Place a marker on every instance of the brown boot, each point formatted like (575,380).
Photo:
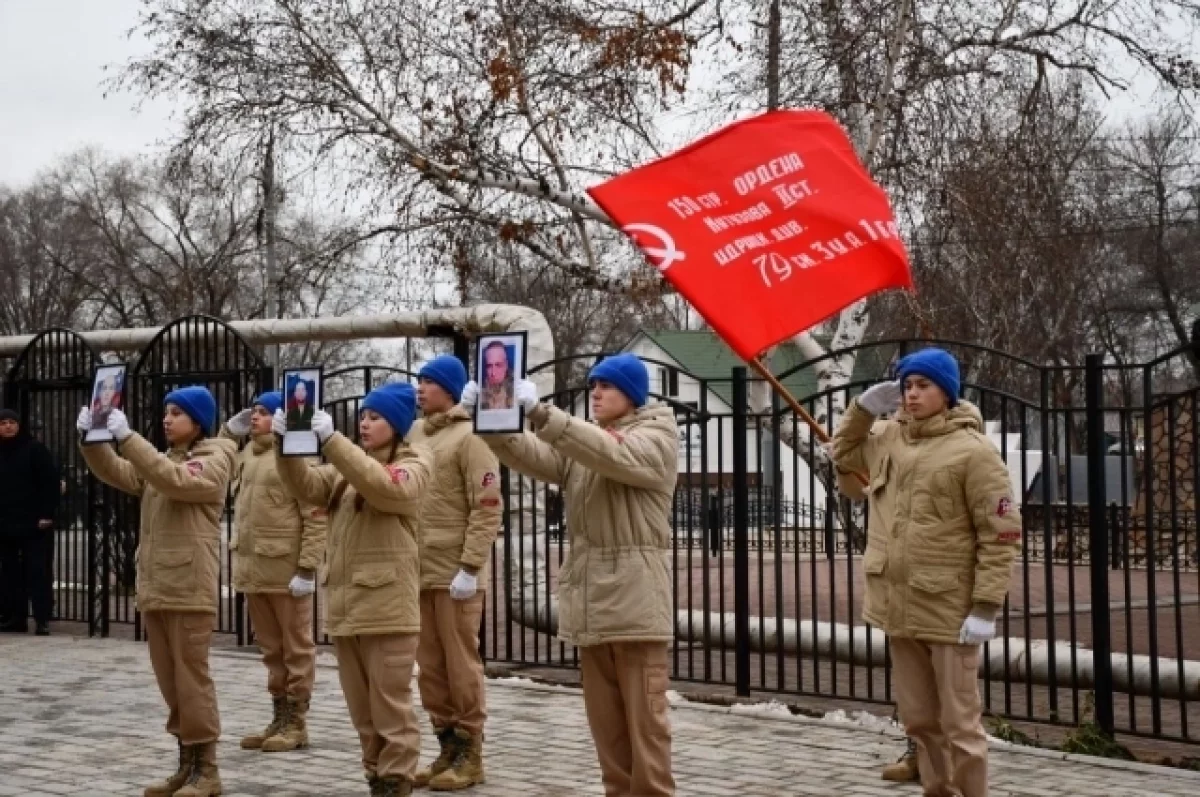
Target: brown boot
(449,745)
(394,787)
(166,788)
(293,733)
(204,780)
(255,740)
(467,769)
(905,769)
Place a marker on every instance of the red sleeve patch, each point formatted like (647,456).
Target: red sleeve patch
(1009,535)
(490,501)
(195,467)
(615,435)
(1003,507)
(488,480)
(397,473)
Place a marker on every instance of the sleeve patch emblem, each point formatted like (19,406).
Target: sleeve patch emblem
(1004,507)
(616,435)
(398,474)
(489,502)
(195,467)
(489,479)
(1010,535)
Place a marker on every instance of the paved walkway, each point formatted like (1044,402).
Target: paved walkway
(83,717)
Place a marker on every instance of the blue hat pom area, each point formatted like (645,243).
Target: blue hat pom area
(936,365)
(396,402)
(197,403)
(625,372)
(271,401)
(448,372)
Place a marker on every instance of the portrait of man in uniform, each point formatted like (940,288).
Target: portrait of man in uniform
(497,390)
(107,395)
(500,362)
(301,398)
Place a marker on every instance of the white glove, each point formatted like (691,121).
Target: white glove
(463,586)
(322,425)
(470,395)
(279,423)
(301,586)
(84,422)
(526,394)
(976,631)
(882,399)
(240,424)
(118,424)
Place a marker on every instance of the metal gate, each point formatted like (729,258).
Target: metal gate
(196,350)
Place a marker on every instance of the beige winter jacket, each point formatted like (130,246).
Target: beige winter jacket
(276,535)
(944,526)
(183,497)
(618,484)
(463,510)
(371,575)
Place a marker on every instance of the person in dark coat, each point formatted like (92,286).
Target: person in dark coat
(29,495)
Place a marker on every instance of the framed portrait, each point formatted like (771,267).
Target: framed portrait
(108,394)
(301,398)
(499,364)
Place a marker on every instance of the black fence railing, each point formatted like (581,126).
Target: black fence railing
(767,571)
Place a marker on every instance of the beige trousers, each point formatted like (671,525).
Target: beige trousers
(625,696)
(451,678)
(283,627)
(937,693)
(178,643)
(376,674)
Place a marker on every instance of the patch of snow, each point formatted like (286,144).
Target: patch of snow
(773,707)
(674,697)
(863,719)
(1010,33)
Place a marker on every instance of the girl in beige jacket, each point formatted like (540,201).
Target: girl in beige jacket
(371,575)
(182,496)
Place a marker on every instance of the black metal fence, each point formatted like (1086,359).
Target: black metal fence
(768,582)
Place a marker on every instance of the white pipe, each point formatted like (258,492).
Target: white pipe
(865,646)
(475,320)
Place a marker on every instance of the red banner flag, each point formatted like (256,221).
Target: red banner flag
(767,227)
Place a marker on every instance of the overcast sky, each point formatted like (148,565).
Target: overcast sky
(52,59)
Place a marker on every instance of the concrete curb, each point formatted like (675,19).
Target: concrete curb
(1036,752)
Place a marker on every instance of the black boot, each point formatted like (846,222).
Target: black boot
(43,629)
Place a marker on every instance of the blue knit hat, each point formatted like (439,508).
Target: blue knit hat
(626,373)
(271,401)
(936,365)
(447,371)
(197,403)
(396,402)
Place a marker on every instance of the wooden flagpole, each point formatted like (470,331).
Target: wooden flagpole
(762,370)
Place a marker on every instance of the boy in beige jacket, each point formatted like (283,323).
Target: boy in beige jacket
(943,531)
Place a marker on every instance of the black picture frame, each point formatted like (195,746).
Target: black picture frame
(300,440)
(490,419)
(100,407)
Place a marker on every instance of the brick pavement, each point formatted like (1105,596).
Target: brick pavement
(83,717)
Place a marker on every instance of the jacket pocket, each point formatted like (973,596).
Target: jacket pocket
(274,560)
(879,479)
(378,595)
(175,572)
(875,596)
(938,601)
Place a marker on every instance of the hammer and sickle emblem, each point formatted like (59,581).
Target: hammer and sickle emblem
(665,253)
